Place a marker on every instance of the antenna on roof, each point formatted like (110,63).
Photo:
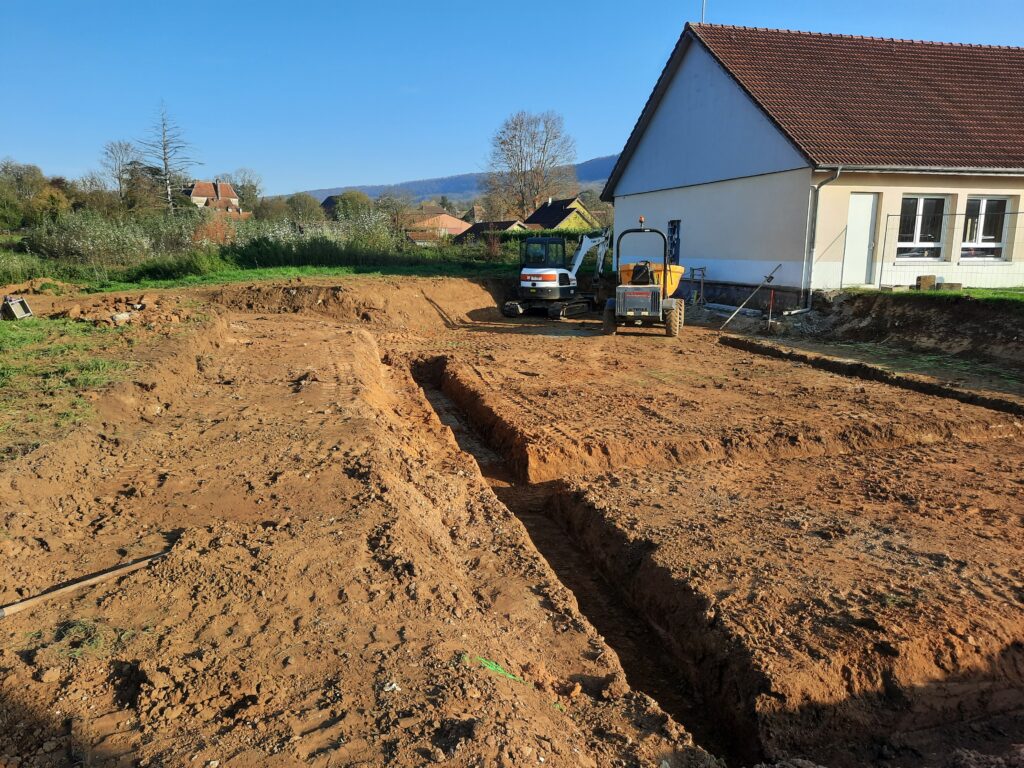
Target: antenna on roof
(703,9)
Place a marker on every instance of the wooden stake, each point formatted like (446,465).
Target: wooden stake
(88,581)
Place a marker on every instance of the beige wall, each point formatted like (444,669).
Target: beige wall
(739,229)
(833,208)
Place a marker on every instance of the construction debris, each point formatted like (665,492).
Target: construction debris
(14,308)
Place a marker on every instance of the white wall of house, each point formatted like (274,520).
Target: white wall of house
(887,267)
(739,229)
(706,128)
(712,159)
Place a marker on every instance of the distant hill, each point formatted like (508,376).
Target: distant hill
(591,173)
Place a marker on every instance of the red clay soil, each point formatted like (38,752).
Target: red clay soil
(830,566)
(342,588)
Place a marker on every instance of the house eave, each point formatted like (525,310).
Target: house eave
(654,100)
(920,169)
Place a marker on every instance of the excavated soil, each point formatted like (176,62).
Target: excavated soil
(946,324)
(400,530)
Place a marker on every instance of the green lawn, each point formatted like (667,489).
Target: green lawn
(46,369)
(1007,299)
(16,267)
(1011,294)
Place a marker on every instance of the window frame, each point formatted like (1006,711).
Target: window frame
(917,242)
(1002,245)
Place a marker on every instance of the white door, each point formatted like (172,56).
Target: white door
(858,257)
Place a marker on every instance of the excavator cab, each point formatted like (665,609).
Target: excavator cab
(538,252)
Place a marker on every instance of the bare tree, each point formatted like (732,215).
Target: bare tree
(116,160)
(532,158)
(167,149)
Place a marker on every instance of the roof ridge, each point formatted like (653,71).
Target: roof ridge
(698,27)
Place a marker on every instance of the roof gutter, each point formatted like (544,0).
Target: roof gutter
(810,244)
(937,169)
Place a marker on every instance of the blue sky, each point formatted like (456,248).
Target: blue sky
(317,94)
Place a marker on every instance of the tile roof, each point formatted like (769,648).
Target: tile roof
(218,190)
(867,101)
(202,189)
(876,101)
(225,190)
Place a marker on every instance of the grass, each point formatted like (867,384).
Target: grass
(77,639)
(1010,294)
(210,268)
(1009,300)
(47,367)
(240,274)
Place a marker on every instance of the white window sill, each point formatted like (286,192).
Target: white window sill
(979,260)
(921,260)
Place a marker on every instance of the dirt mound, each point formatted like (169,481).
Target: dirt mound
(667,407)
(147,309)
(420,304)
(950,324)
(40,286)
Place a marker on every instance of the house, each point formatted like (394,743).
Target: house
(217,195)
(482,229)
(426,226)
(850,161)
(569,213)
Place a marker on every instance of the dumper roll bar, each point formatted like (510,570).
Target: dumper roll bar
(664,252)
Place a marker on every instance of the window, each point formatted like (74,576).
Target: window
(922,226)
(544,253)
(985,228)
(673,241)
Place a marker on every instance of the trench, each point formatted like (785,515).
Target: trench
(646,658)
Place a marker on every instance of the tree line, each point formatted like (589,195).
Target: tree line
(531,158)
(134,178)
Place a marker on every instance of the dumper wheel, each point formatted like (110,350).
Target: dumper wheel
(609,327)
(674,321)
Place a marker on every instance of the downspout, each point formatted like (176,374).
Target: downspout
(812,236)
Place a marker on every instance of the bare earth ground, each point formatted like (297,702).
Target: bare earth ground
(402,530)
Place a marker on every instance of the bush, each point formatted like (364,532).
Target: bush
(85,246)
(19,267)
(88,238)
(177,233)
(195,263)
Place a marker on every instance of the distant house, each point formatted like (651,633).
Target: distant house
(482,229)
(217,195)
(430,223)
(569,213)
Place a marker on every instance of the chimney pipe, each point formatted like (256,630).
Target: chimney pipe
(549,201)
